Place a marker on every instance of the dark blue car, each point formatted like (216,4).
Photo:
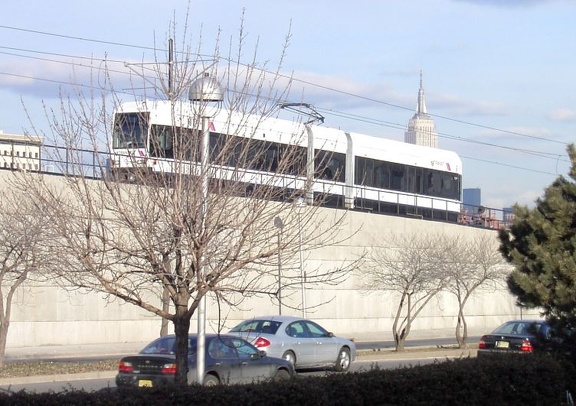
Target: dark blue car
(518,336)
(228,360)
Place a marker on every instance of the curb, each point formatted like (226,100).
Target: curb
(416,352)
(21,380)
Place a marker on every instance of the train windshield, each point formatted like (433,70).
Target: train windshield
(130,130)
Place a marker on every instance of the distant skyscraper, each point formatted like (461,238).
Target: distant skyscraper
(421,129)
(472,197)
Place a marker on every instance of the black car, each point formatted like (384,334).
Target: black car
(228,360)
(518,336)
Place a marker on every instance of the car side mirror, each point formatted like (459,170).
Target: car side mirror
(330,334)
(261,354)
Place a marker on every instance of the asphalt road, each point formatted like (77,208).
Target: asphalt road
(367,360)
(370,354)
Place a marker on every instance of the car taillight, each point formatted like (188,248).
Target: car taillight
(125,367)
(169,369)
(261,342)
(526,346)
(482,343)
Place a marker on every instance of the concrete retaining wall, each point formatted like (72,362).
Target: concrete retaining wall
(45,314)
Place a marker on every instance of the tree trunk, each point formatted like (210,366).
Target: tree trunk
(166,309)
(461,323)
(4,324)
(399,340)
(464,332)
(6,312)
(181,329)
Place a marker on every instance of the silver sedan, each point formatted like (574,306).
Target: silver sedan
(300,341)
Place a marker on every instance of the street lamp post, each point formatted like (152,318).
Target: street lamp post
(204,90)
(279,224)
(300,202)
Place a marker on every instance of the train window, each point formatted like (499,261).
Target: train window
(257,155)
(396,177)
(330,165)
(418,180)
(266,156)
(130,130)
(174,142)
(297,157)
(450,184)
(404,178)
(364,172)
(251,154)
(161,141)
(381,175)
(433,183)
(441,184)
(223,150)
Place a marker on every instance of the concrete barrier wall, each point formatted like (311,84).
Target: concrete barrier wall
(45,314)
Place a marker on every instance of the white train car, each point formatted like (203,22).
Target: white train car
(350,170)
(410,179)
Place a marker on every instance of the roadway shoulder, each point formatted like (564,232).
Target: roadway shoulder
(416,352)
(21,380)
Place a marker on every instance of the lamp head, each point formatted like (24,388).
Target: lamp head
(206,89)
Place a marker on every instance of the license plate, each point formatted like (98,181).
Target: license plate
(502,344)
(145,383)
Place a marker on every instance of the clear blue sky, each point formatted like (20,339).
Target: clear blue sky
(498,74)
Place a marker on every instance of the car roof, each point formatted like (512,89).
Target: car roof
(194,335)
(526,321)
(277,317)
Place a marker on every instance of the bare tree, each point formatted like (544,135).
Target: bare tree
(471,264)
(410,265)
(159,233)
(23,254)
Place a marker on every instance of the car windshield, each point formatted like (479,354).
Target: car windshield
(166,345)
(257,326)
(518,328)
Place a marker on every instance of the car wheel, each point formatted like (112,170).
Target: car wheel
(343,360)
(211,380)
(282,375)
(290,357)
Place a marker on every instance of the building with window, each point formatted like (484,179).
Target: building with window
(20,152)
(472,198)
(421,128)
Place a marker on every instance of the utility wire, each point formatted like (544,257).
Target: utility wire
(370,120)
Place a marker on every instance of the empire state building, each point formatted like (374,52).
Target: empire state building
(421,129)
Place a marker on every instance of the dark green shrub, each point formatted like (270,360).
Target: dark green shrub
(500,380)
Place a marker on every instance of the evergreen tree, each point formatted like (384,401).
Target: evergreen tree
(541,245)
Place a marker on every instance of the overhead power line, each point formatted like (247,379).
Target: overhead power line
(370,120)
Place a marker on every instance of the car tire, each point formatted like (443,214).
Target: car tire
(343,361)
(290,357)
(282,375)
(211,380)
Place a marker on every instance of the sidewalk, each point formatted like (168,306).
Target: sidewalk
(111,350)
